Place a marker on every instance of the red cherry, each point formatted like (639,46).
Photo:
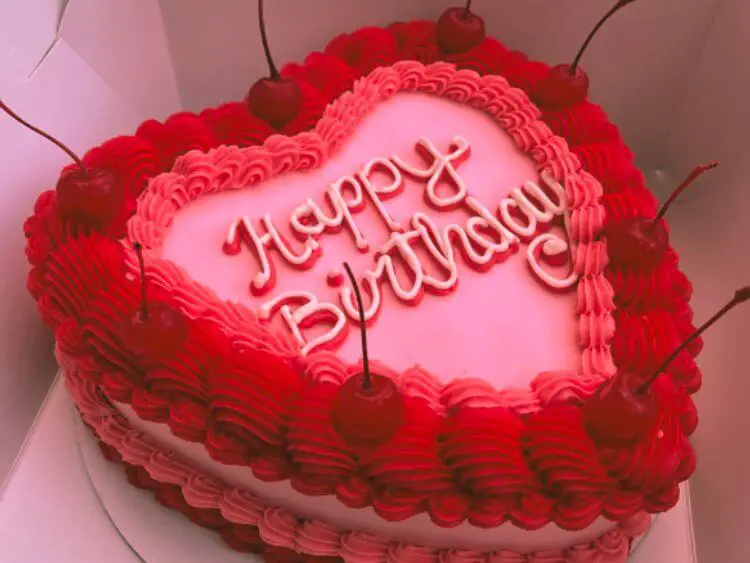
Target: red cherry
(156,329)
(625,410)
(567,85)
(643,241)
(368,414)
(368,408)
(563,86)
(160,333)
(459,29)
(638,242)
(276,100)
(617,414)
(93,196)
(90,195)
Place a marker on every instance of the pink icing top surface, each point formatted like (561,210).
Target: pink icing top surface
(503,311)
(349,533)
(499,338)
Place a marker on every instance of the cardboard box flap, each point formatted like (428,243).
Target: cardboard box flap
(125,44)
(28,31)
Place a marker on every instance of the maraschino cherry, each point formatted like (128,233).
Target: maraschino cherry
(626,409)
(88,194)
(275,99)
(642,241)
(368,408)
(156,329)
(459,29)
(567,84)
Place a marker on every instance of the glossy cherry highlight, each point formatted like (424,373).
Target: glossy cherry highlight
(90,195)
(641,241)
(368,408)
(567,84)
(276,100)
(156,329)
(459,29)
(626,410)
(617,414)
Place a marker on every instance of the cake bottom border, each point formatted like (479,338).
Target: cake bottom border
(248,524)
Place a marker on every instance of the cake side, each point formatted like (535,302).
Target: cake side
(654,318)
(247,521)
(416,530)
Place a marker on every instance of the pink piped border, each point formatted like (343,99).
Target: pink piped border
(280,528)
(229,168)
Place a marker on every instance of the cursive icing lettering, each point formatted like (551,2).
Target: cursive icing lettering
(307,313)
(242,231)
(419,255)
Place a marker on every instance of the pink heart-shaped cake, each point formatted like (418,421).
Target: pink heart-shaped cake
(473,222)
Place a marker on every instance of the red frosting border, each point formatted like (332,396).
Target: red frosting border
(569,479)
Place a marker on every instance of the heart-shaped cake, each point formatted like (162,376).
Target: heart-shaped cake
(474,224)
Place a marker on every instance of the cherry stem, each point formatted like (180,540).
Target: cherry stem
(366,380)
(46,135)
(740,296)
(616,8)
(697,171)
(273,71)
(467,10)
(138,247)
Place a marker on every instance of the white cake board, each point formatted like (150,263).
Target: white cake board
(65,503)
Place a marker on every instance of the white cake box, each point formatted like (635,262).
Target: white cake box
(673,75)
